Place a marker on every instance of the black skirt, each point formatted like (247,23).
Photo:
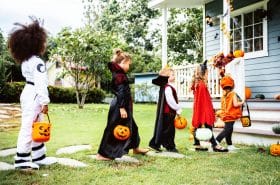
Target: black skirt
(111,147)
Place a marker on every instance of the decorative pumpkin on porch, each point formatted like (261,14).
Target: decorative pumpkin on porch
(121,132)
(203,134)
(41,131)
(275,149)
(238,53)
(248,93)
(276,128)
(180,122)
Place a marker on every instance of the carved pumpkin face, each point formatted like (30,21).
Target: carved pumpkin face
(121,132)
(245,121)
(41,131)
(238,53)
(180,122)
(275,149)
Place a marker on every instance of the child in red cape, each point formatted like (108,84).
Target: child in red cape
(203,111)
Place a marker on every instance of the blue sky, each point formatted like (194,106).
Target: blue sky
(56,13)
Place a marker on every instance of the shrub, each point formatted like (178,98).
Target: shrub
(62,94)
(95,96)
(11,94)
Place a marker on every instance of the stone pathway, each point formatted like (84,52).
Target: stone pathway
(165,154)
(75,163)
(7,152)
(70,162)
(10,115)
(125,159)
(73,149)
(6,166)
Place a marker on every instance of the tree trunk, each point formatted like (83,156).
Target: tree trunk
(83,99)
(78,99)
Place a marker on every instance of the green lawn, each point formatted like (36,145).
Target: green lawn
(72,126)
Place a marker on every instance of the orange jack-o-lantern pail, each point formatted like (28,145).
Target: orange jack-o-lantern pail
(41,130)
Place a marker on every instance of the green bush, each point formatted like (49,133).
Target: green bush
(95,96)
(62,94)
(11,94)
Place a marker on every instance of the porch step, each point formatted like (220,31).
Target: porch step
(254,131)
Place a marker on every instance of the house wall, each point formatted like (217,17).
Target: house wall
(145,91)
(261,74)
(212,37)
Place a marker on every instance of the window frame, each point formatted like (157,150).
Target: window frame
(249,9)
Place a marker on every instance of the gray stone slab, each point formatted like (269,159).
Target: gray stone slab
(5,104)
(6,166)
(123,159)
(71,162)
(4,112)
(165,154)
(73,149)
(11,108)
(7,152)
(3,116)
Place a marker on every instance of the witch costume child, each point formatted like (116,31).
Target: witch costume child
(167,108)
(120,113)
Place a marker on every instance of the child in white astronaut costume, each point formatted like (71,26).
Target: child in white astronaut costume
(26,44)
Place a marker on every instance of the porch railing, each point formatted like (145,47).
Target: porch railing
(184,78)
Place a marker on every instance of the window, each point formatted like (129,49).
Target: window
(249,33)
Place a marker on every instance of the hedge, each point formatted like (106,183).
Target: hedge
(11,94)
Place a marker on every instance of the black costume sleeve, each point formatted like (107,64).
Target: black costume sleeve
(122,90)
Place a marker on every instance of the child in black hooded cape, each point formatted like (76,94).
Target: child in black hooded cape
(167,108)
(120,113)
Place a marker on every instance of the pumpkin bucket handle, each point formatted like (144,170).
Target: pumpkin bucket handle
(37,117)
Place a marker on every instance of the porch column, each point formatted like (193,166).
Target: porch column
(226,30)
(164,37)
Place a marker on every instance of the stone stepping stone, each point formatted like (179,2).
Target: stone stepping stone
(70,162)
(7,152)
(127,158)
(165,154)
(73,149)
(123,159)
(4,112)
(5,104)
(8,125)
(11,108)
(3,116)
(6,166)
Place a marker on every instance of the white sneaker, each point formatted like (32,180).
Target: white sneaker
(26,166)
(232,148)
(46,161)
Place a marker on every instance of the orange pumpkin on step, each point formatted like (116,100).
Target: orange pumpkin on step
(248,93)
(121,132)
(238,53)
(275,149)
(180,122)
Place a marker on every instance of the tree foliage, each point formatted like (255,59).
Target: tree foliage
(84,53)
(185,29)
(129,20)
(4,62)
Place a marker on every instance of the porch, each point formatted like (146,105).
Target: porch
(264,113)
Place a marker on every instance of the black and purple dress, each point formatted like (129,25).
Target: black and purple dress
(111,147)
